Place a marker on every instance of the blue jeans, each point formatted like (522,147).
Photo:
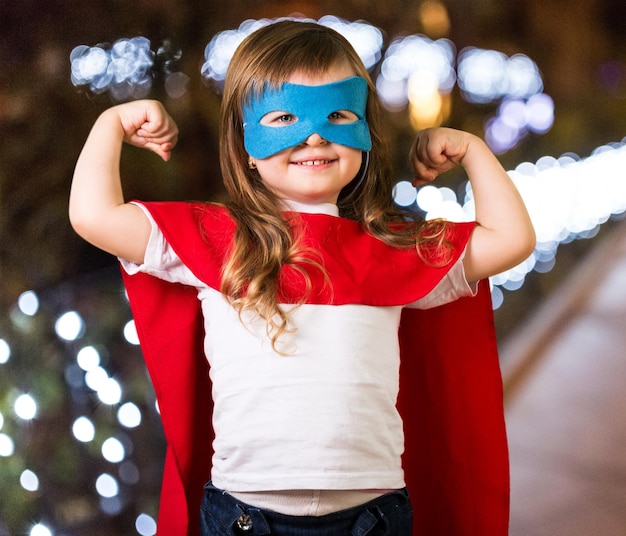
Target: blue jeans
(223,515)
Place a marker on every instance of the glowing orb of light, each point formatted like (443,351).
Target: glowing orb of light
(28,303)
(113,450)
(129,415)
(107,486)
(69,326)
(5,351)
(29,480)
(25,407)
(145,525)
(40,530)
(83,429)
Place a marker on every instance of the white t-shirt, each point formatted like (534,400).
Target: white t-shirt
(322,417)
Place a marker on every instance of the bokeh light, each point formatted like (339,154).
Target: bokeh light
(83,429)
(40,530)
(416,69)
(129,415)
(29,480)
(366,39)
(124,69)
(568,198)
(25,407)
(113,450)
(88,358)
(107,486)
(109,391)
(5,351)
(69,326)
(488,75)
(145,525)
(7,446)
(415,75)
(130,333)
(129,473)
(28,303)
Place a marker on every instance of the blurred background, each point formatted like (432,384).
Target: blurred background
(544,82)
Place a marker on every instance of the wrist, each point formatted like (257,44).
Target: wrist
(110,124)
(476,150)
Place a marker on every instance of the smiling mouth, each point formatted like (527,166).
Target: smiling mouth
(313,162)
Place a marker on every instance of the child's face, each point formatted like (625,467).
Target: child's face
(314,171)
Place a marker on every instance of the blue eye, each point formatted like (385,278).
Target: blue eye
(278,118)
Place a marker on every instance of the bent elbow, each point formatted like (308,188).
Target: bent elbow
(529,243)
(525,244)
(85,223)
(78,221)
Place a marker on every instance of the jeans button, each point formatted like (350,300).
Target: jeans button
(244,523)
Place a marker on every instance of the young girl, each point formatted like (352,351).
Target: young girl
(301,279)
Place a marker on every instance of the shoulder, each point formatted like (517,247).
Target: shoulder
(185,209)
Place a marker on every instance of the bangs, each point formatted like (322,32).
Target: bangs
(311,50)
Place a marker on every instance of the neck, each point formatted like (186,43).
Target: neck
(318,208)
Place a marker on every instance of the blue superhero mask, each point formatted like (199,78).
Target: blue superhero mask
(312,106)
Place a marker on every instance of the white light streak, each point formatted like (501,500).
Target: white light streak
(568,198)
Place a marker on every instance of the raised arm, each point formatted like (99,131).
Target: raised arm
(504,236)
(97,209)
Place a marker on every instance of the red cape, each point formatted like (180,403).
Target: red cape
(456,457)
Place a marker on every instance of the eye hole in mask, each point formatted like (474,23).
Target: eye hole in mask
(281,118)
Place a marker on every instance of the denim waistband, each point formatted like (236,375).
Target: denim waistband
(381,516)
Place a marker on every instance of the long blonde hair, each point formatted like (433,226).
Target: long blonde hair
(264,241)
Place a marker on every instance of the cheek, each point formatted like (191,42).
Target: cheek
(268,167)
(354,163)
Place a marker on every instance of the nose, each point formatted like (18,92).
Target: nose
(315,139)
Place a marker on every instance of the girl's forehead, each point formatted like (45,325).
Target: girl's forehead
(335,73)
(306,76)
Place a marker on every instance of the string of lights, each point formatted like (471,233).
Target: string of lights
(91,394)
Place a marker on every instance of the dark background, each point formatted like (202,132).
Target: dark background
(44,120)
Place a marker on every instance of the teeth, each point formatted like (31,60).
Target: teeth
(313,162)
